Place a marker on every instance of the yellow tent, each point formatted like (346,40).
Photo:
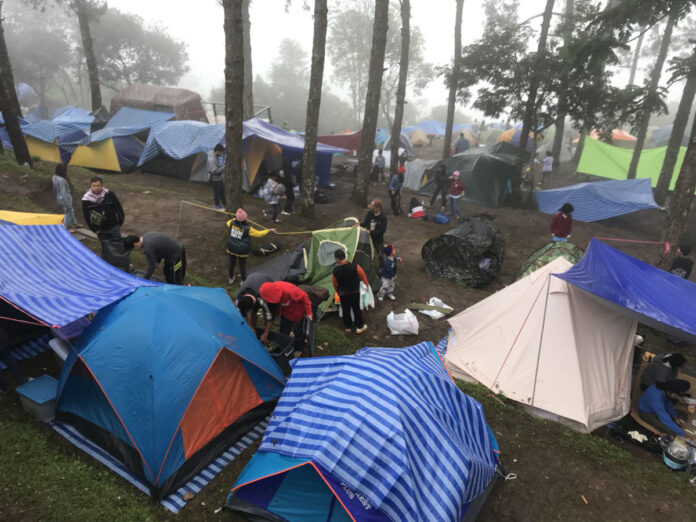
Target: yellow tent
(30,218)
(42,149)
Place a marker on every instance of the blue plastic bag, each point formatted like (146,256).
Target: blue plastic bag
(441,218)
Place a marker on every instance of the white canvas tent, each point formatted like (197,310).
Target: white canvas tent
(550,346)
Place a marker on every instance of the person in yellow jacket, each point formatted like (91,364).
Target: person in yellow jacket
(239,242)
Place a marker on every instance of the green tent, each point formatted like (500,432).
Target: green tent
(485,171)
(312,262)
(607,161)
(544,255)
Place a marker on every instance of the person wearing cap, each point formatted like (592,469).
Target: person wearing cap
(161,247)
(239,243)
(249,302)
(562,223)
(656,408)
(456,191)
(388,273)
(216,174)
(375,223)
(346,279)
(294,307)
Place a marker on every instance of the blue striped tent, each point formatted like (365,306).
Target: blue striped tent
(50,276)
(380,435)
(597,200)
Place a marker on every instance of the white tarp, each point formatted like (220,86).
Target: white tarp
(550,346)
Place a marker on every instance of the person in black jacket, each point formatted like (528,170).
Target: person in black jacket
(375,223)
(239,242)
(682,265)
(161,247)
(346,279)
(441,185)
(102,209)
(287,181)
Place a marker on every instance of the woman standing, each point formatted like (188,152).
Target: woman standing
(63,196)
(239,242)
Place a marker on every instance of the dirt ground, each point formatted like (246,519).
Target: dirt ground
(554,472)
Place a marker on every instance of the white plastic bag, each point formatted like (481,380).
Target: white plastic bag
(434,301)
(367,297)
(402,324)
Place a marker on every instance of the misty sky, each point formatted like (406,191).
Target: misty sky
(200,27)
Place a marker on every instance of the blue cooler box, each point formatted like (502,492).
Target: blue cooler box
(38,397)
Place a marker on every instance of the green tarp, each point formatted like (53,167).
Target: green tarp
(607,161)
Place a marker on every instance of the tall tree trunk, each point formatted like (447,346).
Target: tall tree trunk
(82,10)
(654,84)
(454,80)
(562,96)
(401,86)
(234,106)
(9,108)
(6,66)
(580,147)
(675,139)
(248,76)
(530,106)
(636,57)
(680,203)
(374,89)
(316,79)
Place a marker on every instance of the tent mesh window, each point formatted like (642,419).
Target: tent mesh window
(326,252)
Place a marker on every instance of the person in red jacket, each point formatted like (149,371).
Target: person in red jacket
(562,223)
(294,307)
(456,191)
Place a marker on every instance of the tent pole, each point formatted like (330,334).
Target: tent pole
(541,337)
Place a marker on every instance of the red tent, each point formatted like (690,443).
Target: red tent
(343,140)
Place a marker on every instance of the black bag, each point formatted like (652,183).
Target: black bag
(115,253)
(267,249)
(321,197)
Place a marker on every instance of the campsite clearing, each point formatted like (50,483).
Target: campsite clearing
(42,477)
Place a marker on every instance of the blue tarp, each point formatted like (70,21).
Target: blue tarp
(150,355)
(386,426)
(181,139)
(286,139)
(381,137)
(660,137)
(652,296)
(598,200)
(128,121)
(438,128)
(51,276)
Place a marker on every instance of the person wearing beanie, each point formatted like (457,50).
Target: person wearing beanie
(562,223)
(456,191)
(239,243)
(388,273)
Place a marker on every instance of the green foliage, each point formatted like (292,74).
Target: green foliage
(349,46)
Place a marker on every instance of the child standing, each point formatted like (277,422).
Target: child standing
(239,243)
(271,191)
(562,223)
(63,196)
(456,191)
(388,273)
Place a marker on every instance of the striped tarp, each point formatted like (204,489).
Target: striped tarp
(29,349)
(176,501)
(181,139)
(51,276)
(128,121)
(391,425)
(598,200)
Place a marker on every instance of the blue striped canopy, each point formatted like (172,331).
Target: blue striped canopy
(128,121)
(181,139)
(51,276)
(598,200)
(390,425)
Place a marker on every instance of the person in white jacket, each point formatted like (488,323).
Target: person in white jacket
(216,173)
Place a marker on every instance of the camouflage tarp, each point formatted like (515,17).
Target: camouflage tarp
(544,255)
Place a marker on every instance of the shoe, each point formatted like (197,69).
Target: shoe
(230,280)
(349,330)
(361,330)
(380,298)
(286,213)
(391,297)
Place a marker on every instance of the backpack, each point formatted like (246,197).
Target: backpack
(441,218)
